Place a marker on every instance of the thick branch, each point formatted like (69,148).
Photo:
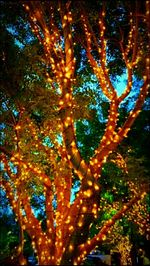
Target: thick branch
(129,84)
(49,213)
(134,113)
(108,136)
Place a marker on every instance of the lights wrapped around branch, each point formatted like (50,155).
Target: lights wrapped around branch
(67,222)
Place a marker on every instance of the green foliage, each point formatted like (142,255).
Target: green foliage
(89,133)
(9,235)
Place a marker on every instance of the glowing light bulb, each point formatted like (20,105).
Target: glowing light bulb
(84,208)
(65,17)
(71,247)
(80,224)
(90,183)
(96,187)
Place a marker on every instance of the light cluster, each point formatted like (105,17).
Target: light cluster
(55,167)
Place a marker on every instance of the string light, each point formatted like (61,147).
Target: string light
(62,159)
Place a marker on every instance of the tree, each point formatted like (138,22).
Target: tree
(41,154)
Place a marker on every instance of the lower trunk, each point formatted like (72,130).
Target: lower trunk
(48,260)
(44,255)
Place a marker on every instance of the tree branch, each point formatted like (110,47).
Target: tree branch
(101,236)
